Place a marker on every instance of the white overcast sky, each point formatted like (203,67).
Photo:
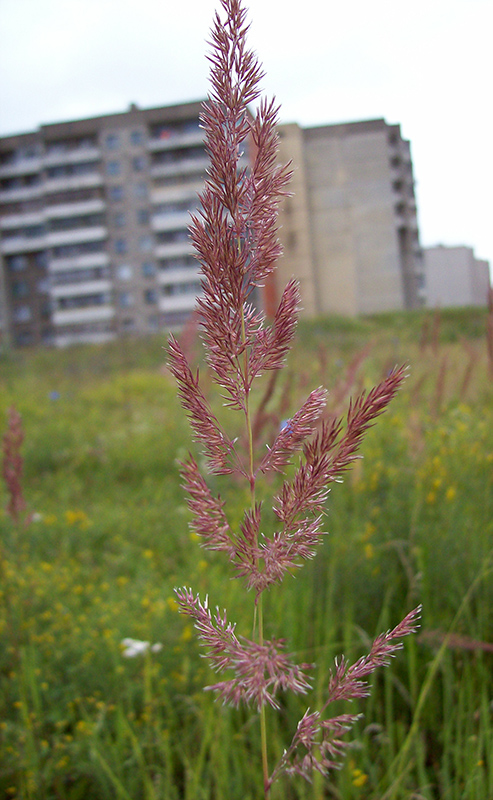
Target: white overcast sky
(426,64)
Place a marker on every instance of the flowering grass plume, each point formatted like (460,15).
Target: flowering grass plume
(236,242)
(13,465)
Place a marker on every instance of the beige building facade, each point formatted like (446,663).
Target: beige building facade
(455,277)
(350,232)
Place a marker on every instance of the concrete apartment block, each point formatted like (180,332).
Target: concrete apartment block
(93,222)
(352,227)
(455,277)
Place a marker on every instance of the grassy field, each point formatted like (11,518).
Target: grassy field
(109,539)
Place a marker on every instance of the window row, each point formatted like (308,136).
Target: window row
(115,167)
(171,130)
(19,263)
(114,140)
(175,156)
(71,170)
(21,289)
(20,182)
(24,313)
(117,193)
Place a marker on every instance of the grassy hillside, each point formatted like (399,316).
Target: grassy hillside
(109,539)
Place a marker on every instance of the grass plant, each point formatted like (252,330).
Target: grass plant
(235,238)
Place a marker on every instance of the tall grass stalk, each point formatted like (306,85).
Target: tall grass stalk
(235,238)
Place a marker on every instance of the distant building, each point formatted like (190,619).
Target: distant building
(455,277)
(350,231)
(93,219)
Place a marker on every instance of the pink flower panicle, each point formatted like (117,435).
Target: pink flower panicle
(13,464)
(260,670)
(317,743)
(217,446)
(235,239)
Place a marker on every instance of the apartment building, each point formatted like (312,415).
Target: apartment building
(94,216)
(455,277)
(350,231)
(93,222)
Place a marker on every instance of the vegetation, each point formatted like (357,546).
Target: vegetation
(108,540)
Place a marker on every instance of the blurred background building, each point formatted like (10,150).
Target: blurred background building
(94,221)
(455,277)
(350,231)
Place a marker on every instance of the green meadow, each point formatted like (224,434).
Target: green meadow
(108,540)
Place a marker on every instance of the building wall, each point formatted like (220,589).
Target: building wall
(362,254)
(454,277)
(294,223)
(93,219)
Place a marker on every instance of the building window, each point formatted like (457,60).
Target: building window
(20,289)
(136,137)
(124,272)
(138,163)
(113,167)
(140,190)
(22,314)
(83,301)
(148,269)
(116,193)
(142,216)
(183,262)
(150,296)
(119,220)
(145,243)
(41,259)
(125,299)
(16,263)
(112,141)
(120,246)
(44,285)
(174,289)
(72,250)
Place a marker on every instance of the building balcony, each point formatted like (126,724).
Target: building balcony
(168,194)
(178,275)
(172,221)
(21,193)
(75,209)
(23,166)
(179,302)
(185,166)
(72,182)
(79,235)
(173,249)
(85,261)
(22,220)
(23,244)
(84,337)
(175,140)
(79,289)
(75,156)
(74,316)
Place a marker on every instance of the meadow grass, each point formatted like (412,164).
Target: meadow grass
(413,522)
